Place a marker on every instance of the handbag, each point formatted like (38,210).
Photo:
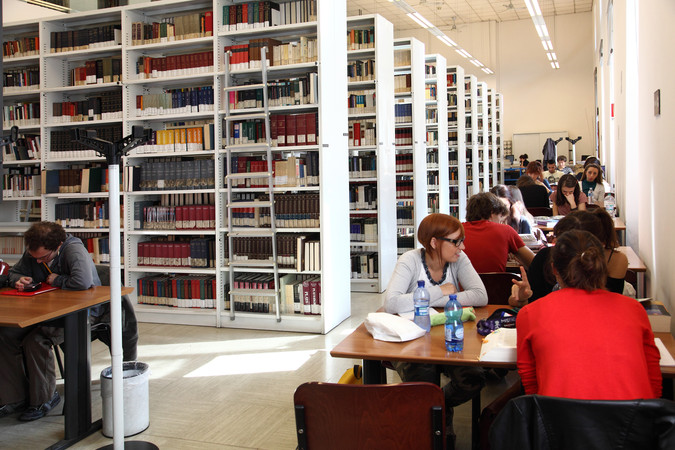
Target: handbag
(500,318)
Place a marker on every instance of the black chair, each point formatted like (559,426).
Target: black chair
(539,422)
(498,286)
(375,416)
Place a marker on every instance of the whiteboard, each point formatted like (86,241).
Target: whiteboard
(532,144)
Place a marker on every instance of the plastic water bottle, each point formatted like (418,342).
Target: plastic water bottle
(454,328)
(589,196)
(610,204)
(421,301)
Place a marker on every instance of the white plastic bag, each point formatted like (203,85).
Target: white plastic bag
(391,328)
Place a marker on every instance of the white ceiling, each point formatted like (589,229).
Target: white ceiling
(442,12)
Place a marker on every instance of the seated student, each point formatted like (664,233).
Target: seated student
(55,258)
(523,160)
(583,342)
(591,182)
(579,171)
(568,197)
(519,217)
(539,274)
(534,195)
(562,165)
(488,240)
(536,171)
(552,175)
(445,270)
(617,262)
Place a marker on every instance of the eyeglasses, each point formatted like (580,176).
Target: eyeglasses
(44,258)
(455,242)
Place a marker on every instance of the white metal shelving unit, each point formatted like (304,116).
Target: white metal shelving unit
(471,130)
(483,146)
(457,141)
(436,104)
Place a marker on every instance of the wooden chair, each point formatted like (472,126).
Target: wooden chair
(540,211)
(498,286)
(375,416)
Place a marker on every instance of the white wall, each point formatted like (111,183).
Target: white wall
(536,97)
(643,142)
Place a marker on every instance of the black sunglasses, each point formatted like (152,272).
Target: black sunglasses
(455,242)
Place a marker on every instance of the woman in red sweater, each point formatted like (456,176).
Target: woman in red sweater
(582,341)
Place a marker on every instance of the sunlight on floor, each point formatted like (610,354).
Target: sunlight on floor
(253,363)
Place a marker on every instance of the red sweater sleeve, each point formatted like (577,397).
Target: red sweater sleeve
(652,356)
(526,362)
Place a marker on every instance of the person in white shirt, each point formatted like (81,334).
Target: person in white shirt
(562,165)
(553,174)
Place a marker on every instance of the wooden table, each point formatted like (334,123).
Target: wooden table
(17,311)
(430,348)
(636,265)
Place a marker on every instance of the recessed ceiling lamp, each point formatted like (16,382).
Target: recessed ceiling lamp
(542,31)
(420,20)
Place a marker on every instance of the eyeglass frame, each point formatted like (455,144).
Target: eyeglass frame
(456,242)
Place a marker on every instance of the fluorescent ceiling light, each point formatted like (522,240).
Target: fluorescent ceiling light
(47,4)
(552,65)
(447,40)
(420,20)
(529,7)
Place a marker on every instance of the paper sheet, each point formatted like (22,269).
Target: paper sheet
(666,357)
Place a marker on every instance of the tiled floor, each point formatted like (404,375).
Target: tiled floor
(221,388)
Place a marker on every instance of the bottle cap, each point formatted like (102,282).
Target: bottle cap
(420,283)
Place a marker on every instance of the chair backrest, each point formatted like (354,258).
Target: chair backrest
(498,286)
(536,422)
(540,210)
(376,416)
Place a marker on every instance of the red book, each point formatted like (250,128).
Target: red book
(291,129)
(306,298)
(179,217)
(195,293)
(281,130)
(185,254)
(315,295)
(301,129)
(310,120)
(208,23)
(191,217)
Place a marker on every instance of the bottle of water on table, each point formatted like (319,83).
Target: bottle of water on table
(421,301)
(610,204)
(589,196)
(454,328)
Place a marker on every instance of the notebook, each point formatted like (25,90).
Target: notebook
(42,290)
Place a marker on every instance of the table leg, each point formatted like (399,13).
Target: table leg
(374,372)
(77,405)
(641,284)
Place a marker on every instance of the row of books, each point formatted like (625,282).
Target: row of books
(432,138)
(243,16)
(402,84)
(364,265)
(361,70)
(82,214)
(285,130)
(169,200)
(300,294)
(452,100)
(362,133)
(98,247)
(174,28)
(451,79)
(185,64)
(176,101)
(401,58)
(404,217)
(285,92)
(24,148)
(85,38)
(293,250)
(21,79)
(24,182)
(179,291)
(246,56)
(403,113)
(363,229)
(170,174)
(187,138)
(404,189)
(363,166)
(12,245)
(430,70)
(249,15)
(187,217)
(361,102)
(76,180)
(19,48)
(432,181)
(363,197)
(299,210)
(97,71)
(23,114)
(404,162)
(63,146)
(294,171)
(105,106)
(191,252)
(361,38)
(403,137)
(430,92)
(432,160)
(299,252)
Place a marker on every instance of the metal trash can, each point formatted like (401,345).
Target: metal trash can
(136,398)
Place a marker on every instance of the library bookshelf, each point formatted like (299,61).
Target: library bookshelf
(371,152)
(166,66)
(456,142)
(436,121)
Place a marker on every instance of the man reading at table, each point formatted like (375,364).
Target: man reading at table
(54,257)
